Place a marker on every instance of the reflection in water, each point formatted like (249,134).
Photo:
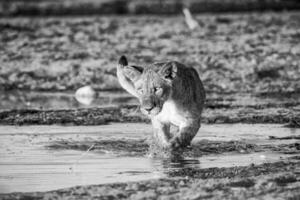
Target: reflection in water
(171,167)
(180,163)
(171,160)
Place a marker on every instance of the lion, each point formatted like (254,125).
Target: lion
(170,94)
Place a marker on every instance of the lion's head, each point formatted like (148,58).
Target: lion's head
(153,84)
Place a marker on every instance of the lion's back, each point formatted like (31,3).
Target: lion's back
(190,86)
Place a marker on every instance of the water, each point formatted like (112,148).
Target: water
(43,158)
(47,100)
(58,100)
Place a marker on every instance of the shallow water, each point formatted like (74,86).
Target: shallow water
(42,158)
(47,100)
(61,100)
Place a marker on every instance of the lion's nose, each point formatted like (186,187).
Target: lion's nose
(147,104)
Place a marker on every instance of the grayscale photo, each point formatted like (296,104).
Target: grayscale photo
(149,99)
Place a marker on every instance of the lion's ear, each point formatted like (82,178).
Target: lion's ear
(123,61)
(133,72)
(169,71)
(129,71)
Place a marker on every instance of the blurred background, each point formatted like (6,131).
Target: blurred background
(246,47)
(88,7)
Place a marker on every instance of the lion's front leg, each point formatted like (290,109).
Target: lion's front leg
(186,133)
(161,132)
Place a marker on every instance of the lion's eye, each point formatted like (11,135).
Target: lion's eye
(140,90)
(158,90)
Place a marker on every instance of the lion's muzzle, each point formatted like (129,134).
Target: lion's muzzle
(149,106)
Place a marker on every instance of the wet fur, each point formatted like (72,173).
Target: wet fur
(180,104)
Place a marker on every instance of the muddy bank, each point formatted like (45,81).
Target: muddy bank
(143,147)
(252,53)
(259,181)
(98,116)
(23,107)
(92,116)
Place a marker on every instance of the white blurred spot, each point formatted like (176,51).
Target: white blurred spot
(263,157)
(85,95)
(190,21)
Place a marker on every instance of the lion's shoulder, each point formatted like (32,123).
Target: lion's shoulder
(188,87)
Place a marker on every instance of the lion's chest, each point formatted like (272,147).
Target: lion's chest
(171,114)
